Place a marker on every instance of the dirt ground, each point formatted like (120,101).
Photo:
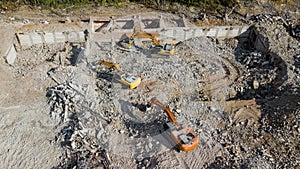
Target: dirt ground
(26,128)
(240,98)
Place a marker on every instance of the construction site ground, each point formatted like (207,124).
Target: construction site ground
(60,108)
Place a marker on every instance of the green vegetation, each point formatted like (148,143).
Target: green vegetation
(158,4)
(55,3)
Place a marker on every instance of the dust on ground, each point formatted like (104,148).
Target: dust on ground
(241,99)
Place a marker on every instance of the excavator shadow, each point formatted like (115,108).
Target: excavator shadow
(141,107)
(110,77)
(155,131)
(105,76)
(151,130)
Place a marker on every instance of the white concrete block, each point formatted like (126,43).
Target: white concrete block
(81,36)
(11,55)
(60,37)
(25,40)
(36,38)
(49,38)
(212,32)
(73,37)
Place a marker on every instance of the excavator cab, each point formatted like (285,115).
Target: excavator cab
(167,49)
(128,80)
(184,137)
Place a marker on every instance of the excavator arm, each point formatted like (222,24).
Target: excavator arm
(110,64)
(140,34)
(185,138)
(165,108)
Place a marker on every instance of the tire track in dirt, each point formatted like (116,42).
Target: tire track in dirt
(200,157)
(216,73)
(25,139)
(24,123)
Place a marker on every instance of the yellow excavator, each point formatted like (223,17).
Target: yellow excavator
(122,77)
(166,49)
(184,137)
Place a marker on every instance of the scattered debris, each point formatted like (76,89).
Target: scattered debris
(296,32)
(236,94)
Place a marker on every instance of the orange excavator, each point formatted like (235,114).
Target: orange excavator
(184,137)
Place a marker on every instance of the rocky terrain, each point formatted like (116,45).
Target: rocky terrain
(60,108)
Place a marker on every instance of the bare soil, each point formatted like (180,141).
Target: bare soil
(243,102)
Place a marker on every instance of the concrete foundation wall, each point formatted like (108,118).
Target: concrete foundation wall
(216,32)
(33,38)
(162,27)
(176,34)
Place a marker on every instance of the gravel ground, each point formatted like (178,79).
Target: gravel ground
(240,97)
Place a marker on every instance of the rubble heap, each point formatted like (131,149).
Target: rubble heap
(228,91)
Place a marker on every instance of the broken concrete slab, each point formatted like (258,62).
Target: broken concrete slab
(7,49)
(11,55)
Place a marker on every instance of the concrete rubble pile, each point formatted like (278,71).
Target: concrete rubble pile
(224,89)
(266,66)
(297,65)
(296,32)
(67,100)
(267,18)
(261,72)
(250,72)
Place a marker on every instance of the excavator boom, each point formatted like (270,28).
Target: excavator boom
(110,64)
(165,108)
(140,34)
